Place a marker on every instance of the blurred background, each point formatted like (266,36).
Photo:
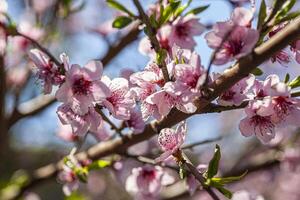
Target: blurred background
(82,29)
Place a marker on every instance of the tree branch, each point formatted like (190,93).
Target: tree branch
(240,70)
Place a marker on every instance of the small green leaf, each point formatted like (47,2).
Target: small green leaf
(98,164)
(182,173)
(168,11)
(116,5)
(81,174)
(182,8)
(257,72)
(286,7)
(197,10)
(287,78)
(153,21)
(121,22)
(227,180)
(262,14)
(227,193)
(288,17)
(295,82)
(214,163)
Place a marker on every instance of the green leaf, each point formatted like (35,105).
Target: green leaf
(227,180)
(182,173)
(116,5)
(121,22)
(288,17)
(153,21)
(214,163)
(262,14)
(182,8)
(227,193)
(168,11)
(257,72)
(295,82)
(286,7)
(197,10)
(287,78)
(81,174)
(98,164)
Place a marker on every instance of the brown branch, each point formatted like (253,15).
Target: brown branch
(224,82)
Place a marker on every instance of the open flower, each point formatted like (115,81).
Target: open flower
(258,121)
(171,140)
(241,39)
(237,93)
(146,182)
(119,102)
(47,71)
(135,122)
(184,30)
(80,124)
(83,87)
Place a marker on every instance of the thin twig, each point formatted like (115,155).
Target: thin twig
(43,49)
(152,36)
(190,146)
(105,118)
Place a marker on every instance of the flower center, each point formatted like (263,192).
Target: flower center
(148,174)
(233,47)
(182,31)
(81,86)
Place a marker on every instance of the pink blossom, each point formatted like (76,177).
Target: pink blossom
(241,17)
(190,76)
(80,124)
(47,72)
(281,57)
(135,122)
(171,140)
(171,96)
(237,93)
(120,101)
(83,87)
(146,182)
(239,43)
(184,29)
(258,121)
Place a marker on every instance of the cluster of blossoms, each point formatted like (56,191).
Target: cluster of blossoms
(81,89)
(181,32)
(270,106)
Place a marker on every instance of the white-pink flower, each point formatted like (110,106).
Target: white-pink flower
(146,182)
(80,124)
(135,122)
(171,140)
(239,43)
(238,93)
(83,87)
(47,71)
(258,121)
(183,31)
(120,101)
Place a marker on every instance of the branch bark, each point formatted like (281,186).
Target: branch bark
(240,70)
